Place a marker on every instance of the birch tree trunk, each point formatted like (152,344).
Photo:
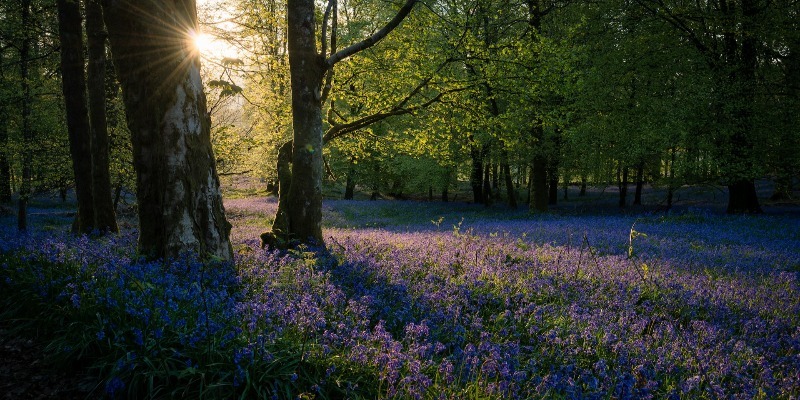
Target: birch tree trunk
(177,188)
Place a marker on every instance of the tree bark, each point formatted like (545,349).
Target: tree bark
(622,177)
(552,188)
(637,198)
(539,173)
(583,186)
(177,188)
(73,85)
(510,192)
(5,166)
(476,175)
(487,189)
(28,135)
(306,68)
(350,184)
(105,217)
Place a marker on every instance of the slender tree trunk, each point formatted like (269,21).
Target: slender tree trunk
(476,176)
(671,179)
(487,188)
(105,217)
(583,186)
(74,87)
(539,174)
(623,185)
(552,188)
(28,136)
(350,185)
(446,187)
(177,188)
(566,186)
(5,167)
(506,170)
(637,198)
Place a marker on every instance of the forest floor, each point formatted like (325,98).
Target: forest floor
(25,372)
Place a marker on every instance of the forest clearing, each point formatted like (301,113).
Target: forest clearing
(426,300)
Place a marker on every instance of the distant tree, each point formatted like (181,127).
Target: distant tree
(177,188)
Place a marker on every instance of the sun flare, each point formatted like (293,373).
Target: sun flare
(203,43)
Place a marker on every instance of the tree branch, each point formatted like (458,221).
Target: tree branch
(375,38)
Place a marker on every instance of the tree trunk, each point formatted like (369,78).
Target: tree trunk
(74,86)
(539,174)
(177,188)
(671,178)
(742,198)
(350,184)
(446,187)
(583,186)
(510,192)
(105,217)
(5,166)
(280,226)
(476,176)
(306,68)
(637,198)
(552,188)
(28,135)
(487,188)
(623,185)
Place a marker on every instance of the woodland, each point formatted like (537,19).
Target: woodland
(402,198)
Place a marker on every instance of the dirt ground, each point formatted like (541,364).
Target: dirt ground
(25,373)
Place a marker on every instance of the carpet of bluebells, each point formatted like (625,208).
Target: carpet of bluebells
(416,300)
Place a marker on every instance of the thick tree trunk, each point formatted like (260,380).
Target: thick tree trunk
(306,68)
(73,84)
(637,198)
(27,132)
(177,188)
(105,217)
(742,198)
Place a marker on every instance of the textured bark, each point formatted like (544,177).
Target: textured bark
(306,67)
(105,217)
(487,189)
(177,188)
(27,133)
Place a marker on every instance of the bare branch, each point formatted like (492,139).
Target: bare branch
(324,33)
(375,38)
